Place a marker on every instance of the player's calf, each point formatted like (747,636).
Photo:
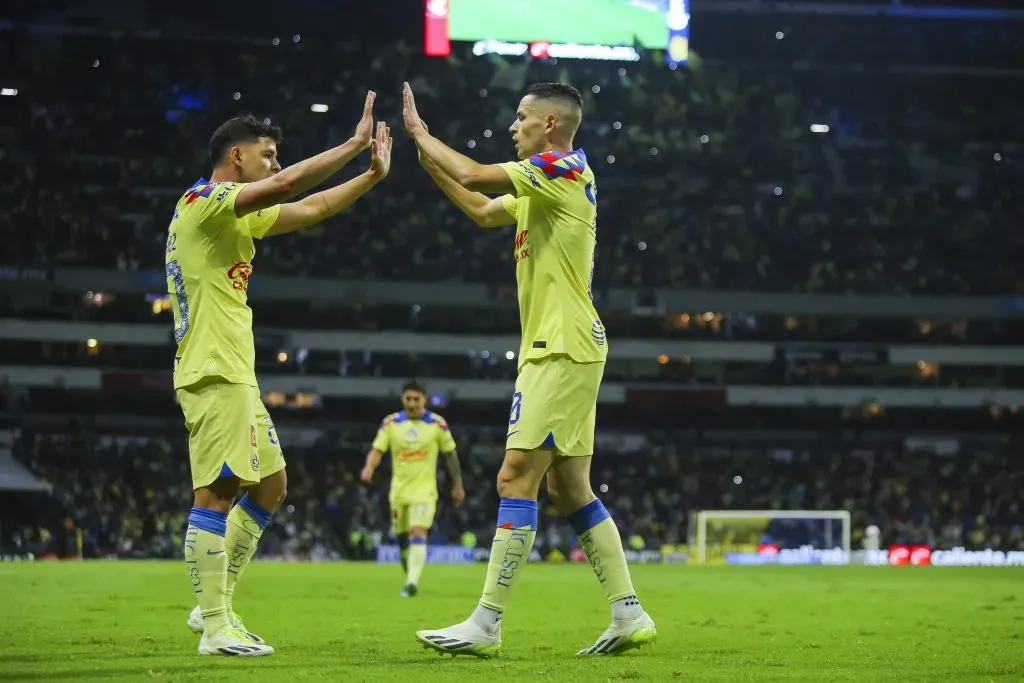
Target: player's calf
(403,551)
(569,489)
(417,560)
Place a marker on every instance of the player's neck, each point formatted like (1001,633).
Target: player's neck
(223,175)
(558,147)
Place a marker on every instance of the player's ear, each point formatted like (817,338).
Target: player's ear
(550,122)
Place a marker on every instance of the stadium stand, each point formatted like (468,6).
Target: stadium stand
(715,194)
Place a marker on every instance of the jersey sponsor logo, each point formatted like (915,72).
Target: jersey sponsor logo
(521,249)
(559,165)
(411,454)
(597,333)
(239,275)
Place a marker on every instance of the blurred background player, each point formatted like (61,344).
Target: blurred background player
(232,441)
(550,195)
(414,437)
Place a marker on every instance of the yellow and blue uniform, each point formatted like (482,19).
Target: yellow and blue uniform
(564,347)
(208,265)
(414,445)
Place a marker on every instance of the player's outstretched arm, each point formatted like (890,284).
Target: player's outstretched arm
(373,459)
(466,172)
(308,173)
(322,205)
(451,461)
(485,211)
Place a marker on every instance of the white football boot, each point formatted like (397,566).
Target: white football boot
(232,642)
(195,623)
(466,638)
(624,635)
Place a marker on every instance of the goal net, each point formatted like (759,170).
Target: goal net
(772,536)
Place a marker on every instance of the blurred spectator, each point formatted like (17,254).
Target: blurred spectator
(709,176)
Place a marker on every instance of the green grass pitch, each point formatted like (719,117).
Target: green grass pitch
(103,621)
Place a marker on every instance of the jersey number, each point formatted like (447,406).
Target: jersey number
(517,405)
(176,286)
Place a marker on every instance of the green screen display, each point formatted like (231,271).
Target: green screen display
(587,22)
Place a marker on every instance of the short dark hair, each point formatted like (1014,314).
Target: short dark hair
(413,385)
(246,128)
(556,91)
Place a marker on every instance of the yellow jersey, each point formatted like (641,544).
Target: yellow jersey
(414,445)
(208,265)
(555,207)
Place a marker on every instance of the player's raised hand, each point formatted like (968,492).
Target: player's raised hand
(364,129)
(425,161)
(458,496)
(380,151)
(413,123)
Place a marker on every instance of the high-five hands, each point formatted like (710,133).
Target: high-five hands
(380,151)
(413,123)
(364,129)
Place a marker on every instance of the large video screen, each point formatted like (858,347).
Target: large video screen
(583,29)
(586,22)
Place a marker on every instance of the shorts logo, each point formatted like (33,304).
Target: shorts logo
(252,435)
(255,462)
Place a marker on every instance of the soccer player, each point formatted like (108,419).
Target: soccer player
(549,194)
(414,437)
(232,441)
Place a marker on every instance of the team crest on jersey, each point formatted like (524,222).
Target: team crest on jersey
(412,434)
(256,462)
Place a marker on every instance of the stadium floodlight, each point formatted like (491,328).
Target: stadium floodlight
(319,108)
(819,128)
(761,519)
(8,92)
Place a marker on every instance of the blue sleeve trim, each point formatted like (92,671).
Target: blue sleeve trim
(209,520)
(259,514)
(588,516)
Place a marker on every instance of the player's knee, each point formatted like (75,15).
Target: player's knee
(219,495)
(521,473)
(513,484)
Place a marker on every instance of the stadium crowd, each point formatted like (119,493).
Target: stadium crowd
(910,190)
(128,497)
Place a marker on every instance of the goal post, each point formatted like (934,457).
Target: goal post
(828,517)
